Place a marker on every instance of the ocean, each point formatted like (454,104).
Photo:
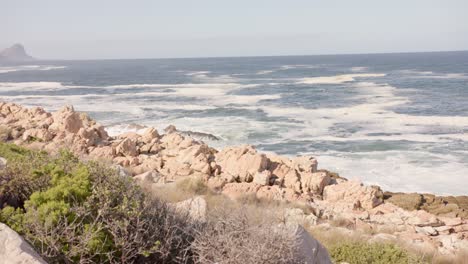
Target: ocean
(396,120)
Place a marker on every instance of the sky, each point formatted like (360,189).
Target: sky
(115,29)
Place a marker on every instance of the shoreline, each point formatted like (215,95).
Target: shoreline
(242,171)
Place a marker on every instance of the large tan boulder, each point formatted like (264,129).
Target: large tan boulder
(149,134)
(126,147)
(66,119)
(314,182)
(40,134)
(309,249)
(242,162)
(355,193)
(305,164)
(262,178)
(15,250)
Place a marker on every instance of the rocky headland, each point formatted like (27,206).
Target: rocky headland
(15,53)
(420,220)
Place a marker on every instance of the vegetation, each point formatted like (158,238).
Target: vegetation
(374,253)
(75,212)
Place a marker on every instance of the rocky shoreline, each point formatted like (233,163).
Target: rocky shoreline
(422,220)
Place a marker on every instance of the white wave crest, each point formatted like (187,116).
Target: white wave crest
(30,68)
(337,79)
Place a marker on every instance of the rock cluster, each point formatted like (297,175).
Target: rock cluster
(237,172)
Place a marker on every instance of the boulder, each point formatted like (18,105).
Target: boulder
(309,249)
(262,178)
(297,216)
(149,134)
(242,162)
(194,208)
(126,147)
(66,119)
(170,129)
(422,218)
(353,192)
(314,182)
(149,177)
(15,250)
(305,164)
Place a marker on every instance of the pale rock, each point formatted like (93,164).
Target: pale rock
(149,177)
(314,182)
(66,119)
(422,218)
(309,248)
(130,135)
(15,250)
(121,171)
(291,181)
(122,161)
(216,183)
(241,162)
(35,133)
(149,134)
(127,147)
(426,230)
(171,143)
(262,178)
(297,216)
(305,164)
(194,208)
(353,192)
(449,221)
(238,190)
(170,129)
(106,152)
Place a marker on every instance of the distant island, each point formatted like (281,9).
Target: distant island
(15,53)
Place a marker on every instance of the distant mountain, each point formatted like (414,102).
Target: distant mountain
(15,53)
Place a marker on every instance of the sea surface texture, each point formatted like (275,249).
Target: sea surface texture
(396,120)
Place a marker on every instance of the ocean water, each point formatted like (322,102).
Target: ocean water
(396,120)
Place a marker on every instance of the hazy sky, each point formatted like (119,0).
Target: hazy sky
(87,29)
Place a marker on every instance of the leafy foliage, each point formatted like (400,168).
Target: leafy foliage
(361,253)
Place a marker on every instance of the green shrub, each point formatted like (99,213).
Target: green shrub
(87,213)
(376,253)
(20,178)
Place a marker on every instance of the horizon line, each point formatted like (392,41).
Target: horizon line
(258,56)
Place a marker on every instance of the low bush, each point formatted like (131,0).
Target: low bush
(87,213)
(234,236)
(75,212)
(372,253)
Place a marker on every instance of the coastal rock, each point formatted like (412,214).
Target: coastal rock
(314,182)
(150,134)
(353,192)
(241,162)
(305,164)
(239,190)
(126,147)
(14,249)
(262,178)
(66,119)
